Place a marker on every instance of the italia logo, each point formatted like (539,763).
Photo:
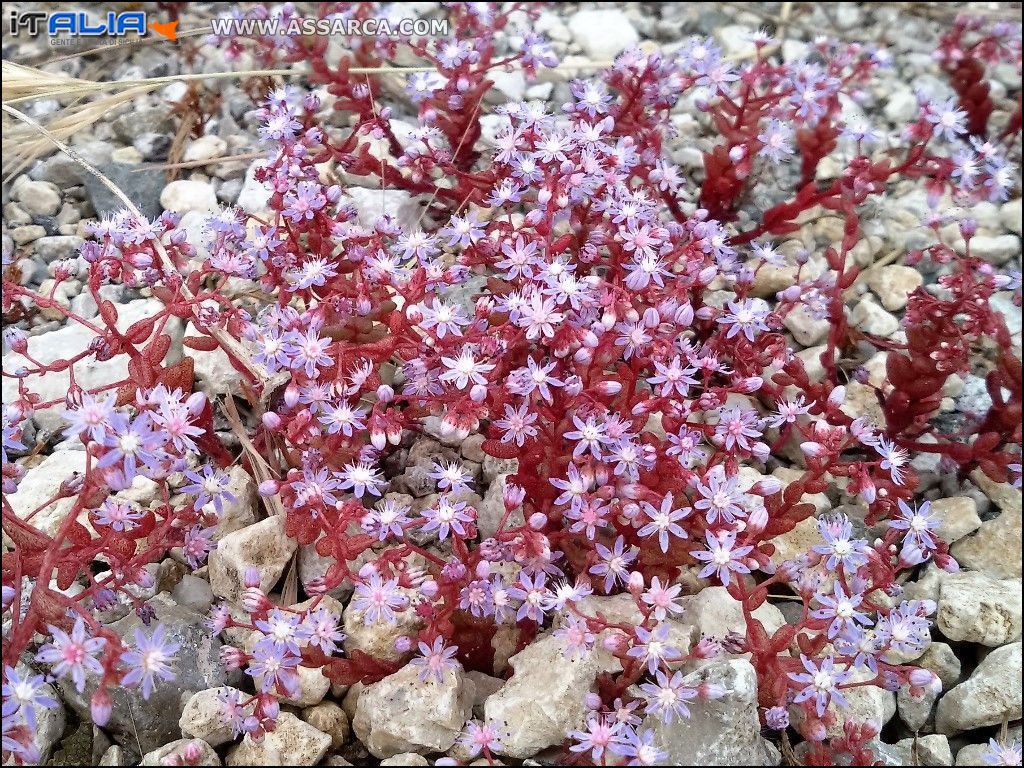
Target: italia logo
(81,24)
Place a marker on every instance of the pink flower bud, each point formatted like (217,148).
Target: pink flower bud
(737,153)
(538,520)
(254,601)
(269,488)
(757,519)
(636,583)
(609,387)
(615,643)
(478,393)
(291,395)
(837,396)
(385,393)
(512,495)
(232,658)
(403,644)
(192,753)
(583,355)
(251,578)
(271,420)
(100,706)
(592,701)
(378,439)
(710,691)
(429,589)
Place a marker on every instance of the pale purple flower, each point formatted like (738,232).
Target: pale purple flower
(209,487)
(378,599)
(840,547)
(840,610)
(148,659)
(667,697)
(435,659)
(821,683)
(600,734)
(722,556)
(118,515)
(1002,754)
(652,647)
(533,592)
(664,521)
(448,516)
(25,694)
(73,654)
(362,478)
(614,563)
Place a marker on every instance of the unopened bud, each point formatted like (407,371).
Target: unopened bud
(100,706)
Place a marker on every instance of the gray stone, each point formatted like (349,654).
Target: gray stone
(958,517)
(544,698)
(990,695)
(723,731)
(55,247)
(196,667)
(602,34)
(141,185)
(292,742)
(976,608)
(402,713)
(263,545)
(38,198)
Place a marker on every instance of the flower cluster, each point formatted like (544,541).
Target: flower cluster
(614,352)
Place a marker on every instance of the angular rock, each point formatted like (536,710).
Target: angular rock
(402,713)
(995,549)
(184,195)
(941,659)
(932,749)
(958,516)
(41,483)
(203,716)
(292,742)
(38,198)
(263,545)
(893,283)
(544,698)
(716,613)
(915,710)
(806,329)
(602,34)
(990,695)
(329,718)
(976,608)
(724,731)
(869,317)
